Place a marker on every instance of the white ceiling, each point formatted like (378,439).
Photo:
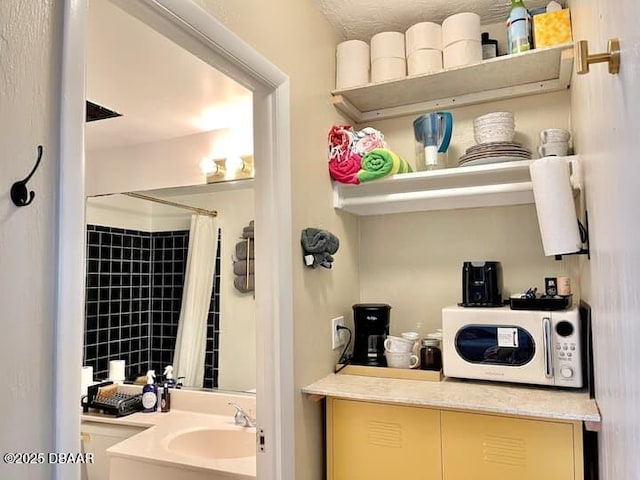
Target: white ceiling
(161,90)
(361,19)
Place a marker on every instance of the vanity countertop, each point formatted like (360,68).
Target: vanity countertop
(525,401)
(152,444)
(211,443)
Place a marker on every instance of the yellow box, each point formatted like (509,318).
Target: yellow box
(552,28)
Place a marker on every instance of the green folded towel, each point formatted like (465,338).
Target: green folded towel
(381,162)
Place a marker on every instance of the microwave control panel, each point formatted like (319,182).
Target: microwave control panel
(567,351)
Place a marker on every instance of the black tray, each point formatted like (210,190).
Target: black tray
(540,302)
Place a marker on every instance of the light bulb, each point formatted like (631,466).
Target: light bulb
(234,164)
(208,166)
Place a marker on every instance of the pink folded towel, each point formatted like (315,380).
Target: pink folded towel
(346,148)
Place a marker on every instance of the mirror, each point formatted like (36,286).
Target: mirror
(174,114)
(136,260)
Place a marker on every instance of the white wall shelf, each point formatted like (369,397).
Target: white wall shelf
(509,76)
(490,185)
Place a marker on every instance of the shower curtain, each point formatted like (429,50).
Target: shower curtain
(188,358)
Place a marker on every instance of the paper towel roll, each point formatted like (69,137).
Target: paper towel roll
(391,68)
(463,52)
(424,61)
(386,45)
(86,379)
(423,36)
(553,196)
(116,370)
(461,26)
(352,64)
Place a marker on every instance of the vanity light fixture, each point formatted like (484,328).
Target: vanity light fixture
(227,169)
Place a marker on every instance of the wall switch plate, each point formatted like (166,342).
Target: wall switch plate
(337,338)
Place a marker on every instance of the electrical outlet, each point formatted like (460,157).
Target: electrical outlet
(337,339)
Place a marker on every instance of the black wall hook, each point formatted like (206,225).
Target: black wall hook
(20,196)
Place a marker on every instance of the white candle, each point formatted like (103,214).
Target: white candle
(116,370)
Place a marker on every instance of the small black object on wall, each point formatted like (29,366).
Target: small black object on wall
(20,196)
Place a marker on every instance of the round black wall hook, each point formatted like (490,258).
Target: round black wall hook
(20,196)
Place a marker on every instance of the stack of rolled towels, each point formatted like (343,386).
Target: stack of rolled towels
(243,263)
(361,156)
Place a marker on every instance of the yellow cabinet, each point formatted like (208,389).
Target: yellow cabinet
(382,442)
(376,441)
(486,447)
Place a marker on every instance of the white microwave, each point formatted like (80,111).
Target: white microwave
(522,346)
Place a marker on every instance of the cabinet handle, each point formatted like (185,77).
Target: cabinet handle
(85,437)
(583,59)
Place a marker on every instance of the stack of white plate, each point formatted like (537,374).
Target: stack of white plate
(494,152)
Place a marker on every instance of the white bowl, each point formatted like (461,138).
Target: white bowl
(493,132)
(493,116)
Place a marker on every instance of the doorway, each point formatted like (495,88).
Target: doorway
(195,30)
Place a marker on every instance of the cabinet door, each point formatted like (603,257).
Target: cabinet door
(96,439)
(382,442)
(486,447)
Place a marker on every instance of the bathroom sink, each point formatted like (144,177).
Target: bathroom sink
(214,443)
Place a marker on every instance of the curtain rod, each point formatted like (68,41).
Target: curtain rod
(201,211)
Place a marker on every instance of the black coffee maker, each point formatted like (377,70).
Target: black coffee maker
(371,325)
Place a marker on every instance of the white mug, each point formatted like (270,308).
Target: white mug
(558,149)
(554,135)
(401,360)
(398,345)
(413,336)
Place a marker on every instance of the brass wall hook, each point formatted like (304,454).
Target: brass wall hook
(583,59)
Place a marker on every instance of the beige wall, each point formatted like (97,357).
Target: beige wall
(418,269)
(296,38)
(30,46)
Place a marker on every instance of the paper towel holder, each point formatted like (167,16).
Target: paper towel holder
(584,237)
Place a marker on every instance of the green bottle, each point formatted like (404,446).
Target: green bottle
(518,28)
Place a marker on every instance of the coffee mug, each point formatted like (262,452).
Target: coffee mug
(554,135)
(398,345)
(401,360)
(558,149)
(413,336)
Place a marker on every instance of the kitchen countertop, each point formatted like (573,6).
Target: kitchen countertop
(526,401)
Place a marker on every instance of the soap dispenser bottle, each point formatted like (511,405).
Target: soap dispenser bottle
(169,381)
(150,393)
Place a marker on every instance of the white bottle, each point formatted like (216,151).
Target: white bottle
(168,376)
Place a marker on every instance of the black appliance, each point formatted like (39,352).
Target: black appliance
(481,284)
(371,325)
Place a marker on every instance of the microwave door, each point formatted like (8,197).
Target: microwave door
(500,352)
(504,345)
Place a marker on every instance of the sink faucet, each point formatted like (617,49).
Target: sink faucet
(241,417)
